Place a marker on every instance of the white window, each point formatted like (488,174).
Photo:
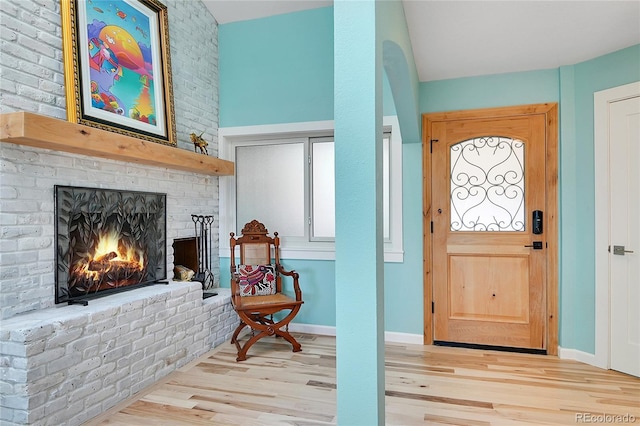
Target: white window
(270,186)
(322,193)
(284,177)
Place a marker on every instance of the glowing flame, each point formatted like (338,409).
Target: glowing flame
(109,243)
(110,253)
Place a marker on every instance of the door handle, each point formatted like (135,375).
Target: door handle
(619,250)
(537,245)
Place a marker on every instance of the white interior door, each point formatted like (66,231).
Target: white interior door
(624,279)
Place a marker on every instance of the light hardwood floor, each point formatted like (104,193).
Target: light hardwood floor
(424,385)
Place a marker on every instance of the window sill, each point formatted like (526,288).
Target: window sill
(319,253)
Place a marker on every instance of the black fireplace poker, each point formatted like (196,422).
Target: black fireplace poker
(202,225)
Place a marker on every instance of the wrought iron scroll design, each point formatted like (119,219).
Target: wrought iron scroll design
(487,184)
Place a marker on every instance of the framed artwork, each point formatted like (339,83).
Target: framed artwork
(118,68)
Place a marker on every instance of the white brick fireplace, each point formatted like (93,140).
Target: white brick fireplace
(64,364)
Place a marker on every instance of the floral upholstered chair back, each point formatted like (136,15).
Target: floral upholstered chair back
(257,269)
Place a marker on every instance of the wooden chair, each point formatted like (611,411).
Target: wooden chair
(256,288)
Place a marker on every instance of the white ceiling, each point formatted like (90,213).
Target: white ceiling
(452,39)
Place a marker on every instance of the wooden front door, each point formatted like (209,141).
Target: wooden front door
(489,250)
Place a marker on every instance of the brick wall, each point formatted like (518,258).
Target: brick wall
(32,79)
(32,71)
(27,214)
(65,364)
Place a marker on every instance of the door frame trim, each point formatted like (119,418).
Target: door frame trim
(550,111)
(601,101)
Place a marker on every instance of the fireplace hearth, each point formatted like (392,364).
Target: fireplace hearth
(107,241)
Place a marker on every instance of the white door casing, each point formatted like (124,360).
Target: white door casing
(624,152)
(616,191)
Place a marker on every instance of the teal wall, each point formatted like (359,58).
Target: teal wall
(307,95)
(280,70)
(577,189)
(277,69)
(399,69)
(489,91)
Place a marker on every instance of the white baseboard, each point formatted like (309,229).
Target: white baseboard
(396,337)
(417,339)
(325,330)
(576,355)
(322,330)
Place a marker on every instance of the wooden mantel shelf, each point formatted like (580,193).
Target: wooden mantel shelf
(24,128)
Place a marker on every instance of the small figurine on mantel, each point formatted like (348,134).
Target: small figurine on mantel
(198,142)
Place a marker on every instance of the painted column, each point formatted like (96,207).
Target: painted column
(570,206)
(359,241)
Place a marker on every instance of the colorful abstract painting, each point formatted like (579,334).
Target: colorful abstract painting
(122,73)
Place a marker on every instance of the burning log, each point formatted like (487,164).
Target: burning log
(106,257)
(102,262)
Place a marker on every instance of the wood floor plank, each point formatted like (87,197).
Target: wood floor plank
(167,413)
(445,420)
(423,385)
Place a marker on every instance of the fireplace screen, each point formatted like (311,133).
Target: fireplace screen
(108,240)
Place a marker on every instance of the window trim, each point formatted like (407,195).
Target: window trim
(308,199)
(228,137)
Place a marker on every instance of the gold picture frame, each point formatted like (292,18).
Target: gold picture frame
(117,67)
